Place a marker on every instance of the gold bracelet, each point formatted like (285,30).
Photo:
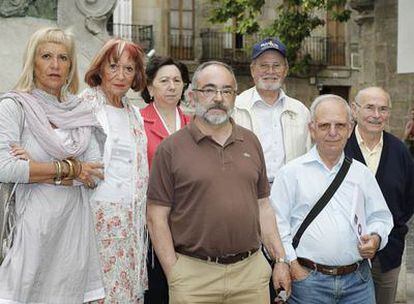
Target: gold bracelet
(71,173)
(65,169)
(56,168)
(58,177)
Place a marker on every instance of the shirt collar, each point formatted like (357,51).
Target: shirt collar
(361,141)
(258,99)
(198,136)
(313,157)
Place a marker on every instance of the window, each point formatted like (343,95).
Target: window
(181,29)
(335,41)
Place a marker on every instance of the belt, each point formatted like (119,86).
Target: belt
(226,259)
(329,270)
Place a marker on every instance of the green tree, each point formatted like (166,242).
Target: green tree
(295,21)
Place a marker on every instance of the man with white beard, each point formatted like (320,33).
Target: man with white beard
(279,121)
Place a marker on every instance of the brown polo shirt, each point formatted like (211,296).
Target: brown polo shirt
(212,190)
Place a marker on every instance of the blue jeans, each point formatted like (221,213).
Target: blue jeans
(317,288)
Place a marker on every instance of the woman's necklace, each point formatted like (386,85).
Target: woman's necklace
(170,121)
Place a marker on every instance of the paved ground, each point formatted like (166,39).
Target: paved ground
(410,264)
(410,288)
(410,248)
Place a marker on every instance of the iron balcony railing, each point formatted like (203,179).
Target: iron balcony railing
(237,50)
(181,46)
(324,51)
(227,47)
(140,34)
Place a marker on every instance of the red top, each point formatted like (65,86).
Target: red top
(155,130)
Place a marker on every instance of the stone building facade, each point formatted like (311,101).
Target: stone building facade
(347,57)
(86,19)
(378,49)
(181,28)
(366,45)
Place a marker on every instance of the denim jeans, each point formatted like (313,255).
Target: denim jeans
(317,288)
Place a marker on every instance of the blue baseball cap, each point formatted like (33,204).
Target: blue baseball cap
(268,44)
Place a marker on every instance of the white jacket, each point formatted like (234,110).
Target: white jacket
(294,121)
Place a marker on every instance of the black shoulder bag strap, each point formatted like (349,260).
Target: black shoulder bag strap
(323,201)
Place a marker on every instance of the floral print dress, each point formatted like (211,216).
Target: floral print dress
(120,224)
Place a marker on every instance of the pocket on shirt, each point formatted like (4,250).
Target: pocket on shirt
(112,220)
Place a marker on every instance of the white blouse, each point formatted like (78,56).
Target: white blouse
(118,174)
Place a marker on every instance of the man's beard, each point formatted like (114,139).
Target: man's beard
(216,118)
(269,86)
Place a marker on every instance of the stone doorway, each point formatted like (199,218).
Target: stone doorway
(342,91)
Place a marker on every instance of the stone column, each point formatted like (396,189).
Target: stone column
(87,20)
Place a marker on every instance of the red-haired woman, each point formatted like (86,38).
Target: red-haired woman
(118,202)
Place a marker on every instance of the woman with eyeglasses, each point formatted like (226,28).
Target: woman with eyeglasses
(167,80)
(119,202)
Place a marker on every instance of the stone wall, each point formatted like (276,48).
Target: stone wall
(378,49)
(86,19)
(15,34)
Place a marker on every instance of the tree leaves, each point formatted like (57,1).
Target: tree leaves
(295,21)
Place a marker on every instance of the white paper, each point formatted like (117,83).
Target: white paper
(358,220)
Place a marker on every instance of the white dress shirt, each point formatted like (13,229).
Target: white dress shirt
(330,238)
(270,132)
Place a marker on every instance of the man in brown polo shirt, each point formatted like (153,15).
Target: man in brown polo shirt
(208,206)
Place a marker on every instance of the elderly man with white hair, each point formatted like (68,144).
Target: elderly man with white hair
(329,263)
(390,161)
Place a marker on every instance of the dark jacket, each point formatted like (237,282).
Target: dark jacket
(395,176)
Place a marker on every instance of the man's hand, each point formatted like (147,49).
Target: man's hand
(369,245)
(281,277)
(160,233)
(297,271)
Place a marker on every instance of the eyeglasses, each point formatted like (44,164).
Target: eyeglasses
(210,92)
(270,66)
(371,109)
(128,70)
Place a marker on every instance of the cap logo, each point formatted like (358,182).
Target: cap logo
(269,44)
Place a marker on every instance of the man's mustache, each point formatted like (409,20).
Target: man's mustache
(218,106)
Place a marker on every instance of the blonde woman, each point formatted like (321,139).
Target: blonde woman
(53,258)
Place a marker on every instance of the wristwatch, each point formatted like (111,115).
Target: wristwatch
(282,260)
